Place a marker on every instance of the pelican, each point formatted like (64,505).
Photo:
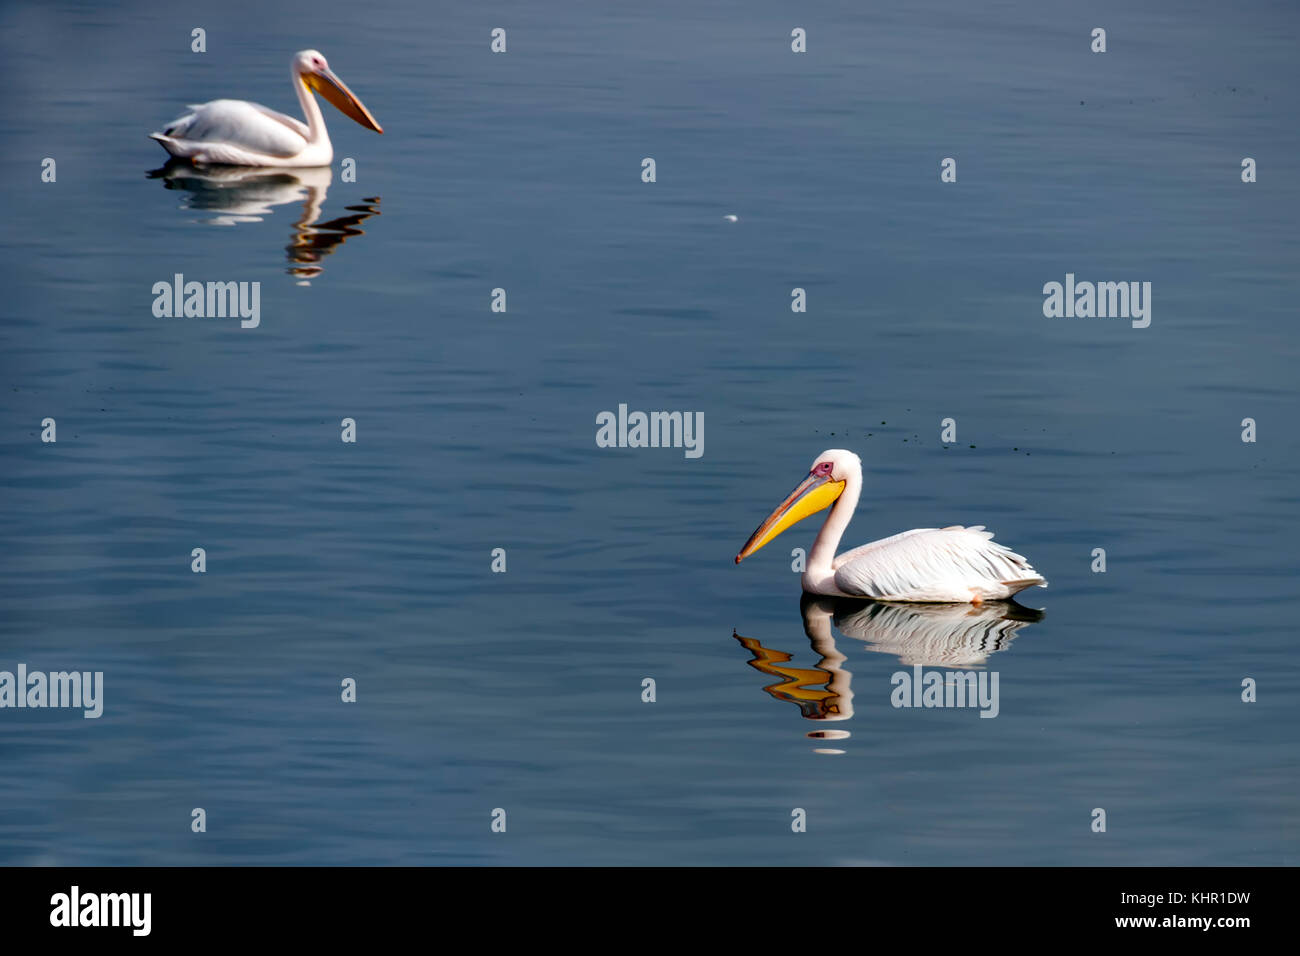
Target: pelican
(248,134)
(953,565)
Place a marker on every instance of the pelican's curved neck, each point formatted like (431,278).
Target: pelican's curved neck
(311,110)
(822,556)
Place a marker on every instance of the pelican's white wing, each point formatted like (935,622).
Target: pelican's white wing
(952,564)
(233,131)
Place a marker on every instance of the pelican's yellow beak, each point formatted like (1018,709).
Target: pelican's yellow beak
(815,493)
(336,91)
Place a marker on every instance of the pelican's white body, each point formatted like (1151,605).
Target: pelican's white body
(241,133)
(941,565)
(248,134)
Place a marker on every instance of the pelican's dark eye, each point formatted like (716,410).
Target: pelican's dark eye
(823,468)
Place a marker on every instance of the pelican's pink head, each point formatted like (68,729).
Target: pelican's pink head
(826,479)
(311,68)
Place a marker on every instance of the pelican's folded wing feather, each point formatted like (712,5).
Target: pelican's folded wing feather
(238,126)
(935,564)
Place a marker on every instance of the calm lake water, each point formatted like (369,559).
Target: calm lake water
(476,430)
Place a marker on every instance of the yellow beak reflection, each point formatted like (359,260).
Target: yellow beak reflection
(815,493)
(335,90)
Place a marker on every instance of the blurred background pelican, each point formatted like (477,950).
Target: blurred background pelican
(241,133)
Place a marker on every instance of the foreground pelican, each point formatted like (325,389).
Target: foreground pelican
(940,565)
(249,134)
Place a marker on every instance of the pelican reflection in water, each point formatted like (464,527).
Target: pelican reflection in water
(234,195)
(940,635)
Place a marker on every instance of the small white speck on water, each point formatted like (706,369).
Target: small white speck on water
(731,218)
